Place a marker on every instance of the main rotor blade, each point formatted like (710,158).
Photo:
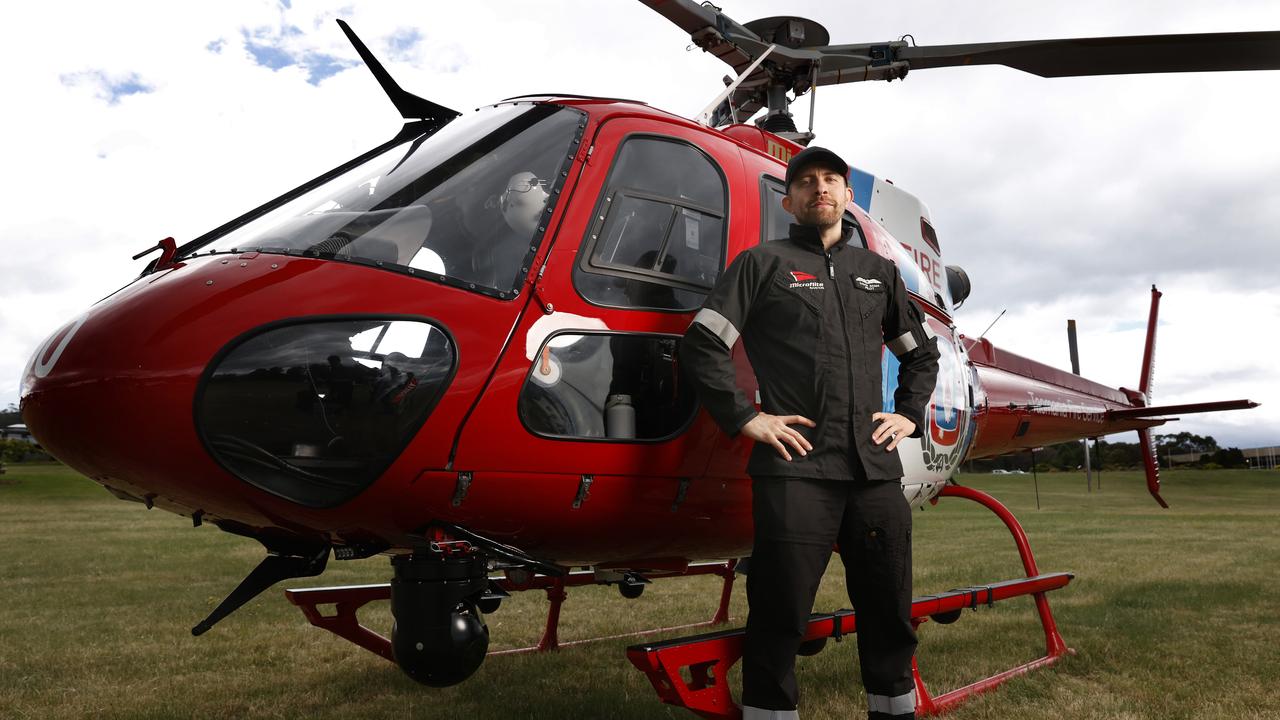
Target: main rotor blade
(712,31)
(798,68)
(687,15)
(1203,52)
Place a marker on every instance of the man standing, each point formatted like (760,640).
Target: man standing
(813,312)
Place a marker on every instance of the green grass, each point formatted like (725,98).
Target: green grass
(1173,615)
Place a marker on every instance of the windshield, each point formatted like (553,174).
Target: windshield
(466,205)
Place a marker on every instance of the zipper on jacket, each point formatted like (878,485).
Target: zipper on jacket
(848,350)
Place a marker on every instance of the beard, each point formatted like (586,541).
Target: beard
(818,215)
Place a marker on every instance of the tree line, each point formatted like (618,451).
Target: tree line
(13,451)
(10,415)
(1116,455)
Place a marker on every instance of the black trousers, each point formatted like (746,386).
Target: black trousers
(796,523)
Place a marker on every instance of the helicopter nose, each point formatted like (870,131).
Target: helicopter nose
(91,394)
(48,353)
(181,388)
(72,391)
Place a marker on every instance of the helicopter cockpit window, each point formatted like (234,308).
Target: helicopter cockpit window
(466,205)
(659,236)
(775,222)
(315,411)
(618,387)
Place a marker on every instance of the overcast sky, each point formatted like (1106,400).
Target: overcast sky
(128,121)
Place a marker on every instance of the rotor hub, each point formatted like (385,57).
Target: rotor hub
(790,31)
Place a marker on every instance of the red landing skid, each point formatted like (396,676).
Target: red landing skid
(693,672)
(348,600)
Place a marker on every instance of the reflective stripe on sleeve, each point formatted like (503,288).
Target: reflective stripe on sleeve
(719,326)
(902,344)
(754,713)
(897,705)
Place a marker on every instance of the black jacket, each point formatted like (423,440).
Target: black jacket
(813,325)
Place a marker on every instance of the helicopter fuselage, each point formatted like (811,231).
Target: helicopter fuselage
(284,378)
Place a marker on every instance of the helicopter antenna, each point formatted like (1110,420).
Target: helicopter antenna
(411,106)
(993,322)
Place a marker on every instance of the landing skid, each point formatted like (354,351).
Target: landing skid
(346,602)
(693,672)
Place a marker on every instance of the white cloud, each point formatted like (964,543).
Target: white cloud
(1062,198)
(106,87)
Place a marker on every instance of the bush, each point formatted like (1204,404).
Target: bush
(10,450)
(13,451)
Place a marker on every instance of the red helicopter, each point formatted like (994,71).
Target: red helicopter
(458,349)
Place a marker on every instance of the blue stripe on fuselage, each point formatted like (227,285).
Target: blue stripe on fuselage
(888,379)
(862,184)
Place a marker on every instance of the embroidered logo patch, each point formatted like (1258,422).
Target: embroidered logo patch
(869,284)
(808,281)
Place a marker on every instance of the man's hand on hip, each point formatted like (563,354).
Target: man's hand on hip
(776,430)
(893,427)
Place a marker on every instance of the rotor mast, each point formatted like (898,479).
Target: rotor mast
(790,45)
(790,33)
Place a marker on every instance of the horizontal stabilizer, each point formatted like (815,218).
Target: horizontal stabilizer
(1186,409)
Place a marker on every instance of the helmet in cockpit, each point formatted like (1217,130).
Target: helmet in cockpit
(522,202)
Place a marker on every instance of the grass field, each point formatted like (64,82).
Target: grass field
(1173,614)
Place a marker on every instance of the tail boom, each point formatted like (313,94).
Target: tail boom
(1029,404)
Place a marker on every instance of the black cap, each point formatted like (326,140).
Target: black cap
(815,154)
